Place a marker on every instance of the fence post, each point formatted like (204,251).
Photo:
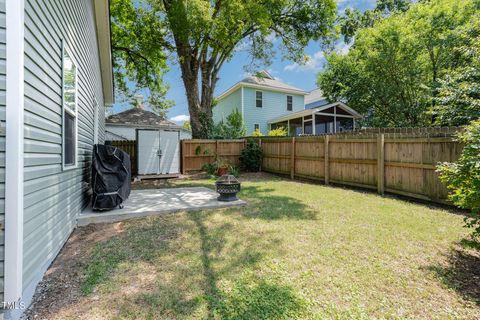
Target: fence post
(292,160)
(325,160)
(216,149)
(182,150)
(381,163)
(261,162)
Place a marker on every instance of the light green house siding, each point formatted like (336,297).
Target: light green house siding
(274,105)
(54,197)
(2,139)
(227,105)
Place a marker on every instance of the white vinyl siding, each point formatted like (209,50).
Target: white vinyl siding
(53,197)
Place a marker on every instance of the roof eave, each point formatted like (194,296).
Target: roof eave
(102,19)
(134,125)
(305,112)
(240,84)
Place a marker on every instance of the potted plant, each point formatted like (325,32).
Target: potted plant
(223,166)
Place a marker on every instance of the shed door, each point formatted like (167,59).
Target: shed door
(148,152)
(170,146)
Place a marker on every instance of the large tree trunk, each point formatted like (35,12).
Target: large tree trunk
(199,107)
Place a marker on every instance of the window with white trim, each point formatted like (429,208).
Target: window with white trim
(256,127)
(259,99)
(69,101)
(289,103)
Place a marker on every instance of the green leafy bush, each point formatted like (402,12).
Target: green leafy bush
(233,128)
(210,168)
(257,133)
(234,171)
(278,132)
(463,176)
(251,156)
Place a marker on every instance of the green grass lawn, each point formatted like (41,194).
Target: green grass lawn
(297,250)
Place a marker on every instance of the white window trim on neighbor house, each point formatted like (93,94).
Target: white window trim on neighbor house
(65,109)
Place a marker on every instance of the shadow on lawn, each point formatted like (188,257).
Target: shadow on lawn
(263,204)
(250,297)
(462,273)
(194,268)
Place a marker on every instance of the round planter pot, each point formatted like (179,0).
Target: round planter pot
(222,171)
(227,190)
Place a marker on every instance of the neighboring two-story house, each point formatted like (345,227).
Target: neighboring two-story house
(266,103)
(259,99)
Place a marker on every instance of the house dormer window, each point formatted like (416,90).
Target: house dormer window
(259,99)
(289,103)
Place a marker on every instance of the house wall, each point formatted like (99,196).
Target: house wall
(274,105)
(2,140)
(226,105)
(54,197)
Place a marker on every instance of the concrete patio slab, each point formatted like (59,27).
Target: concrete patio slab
(157,201)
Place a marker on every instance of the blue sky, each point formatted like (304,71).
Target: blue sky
(301,76)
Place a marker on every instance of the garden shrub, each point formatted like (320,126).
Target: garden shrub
(234,171)
(278,132)
(257,133)
(251,156)
(210,168)
(463,176)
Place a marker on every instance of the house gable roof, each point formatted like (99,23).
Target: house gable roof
(265,81)
(314,95)
(138,117)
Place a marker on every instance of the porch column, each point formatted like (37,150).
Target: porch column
(288,127)
(313,124)
(335,119)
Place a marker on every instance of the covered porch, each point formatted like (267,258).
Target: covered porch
(330,118)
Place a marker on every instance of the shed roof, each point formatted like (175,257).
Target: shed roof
(138,117)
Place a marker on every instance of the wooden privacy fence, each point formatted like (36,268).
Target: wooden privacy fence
(393,163)
(130,147)
(400,161)
(196,153)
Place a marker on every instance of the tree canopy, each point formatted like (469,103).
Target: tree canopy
(139,54)
(393,71)
(205,34)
